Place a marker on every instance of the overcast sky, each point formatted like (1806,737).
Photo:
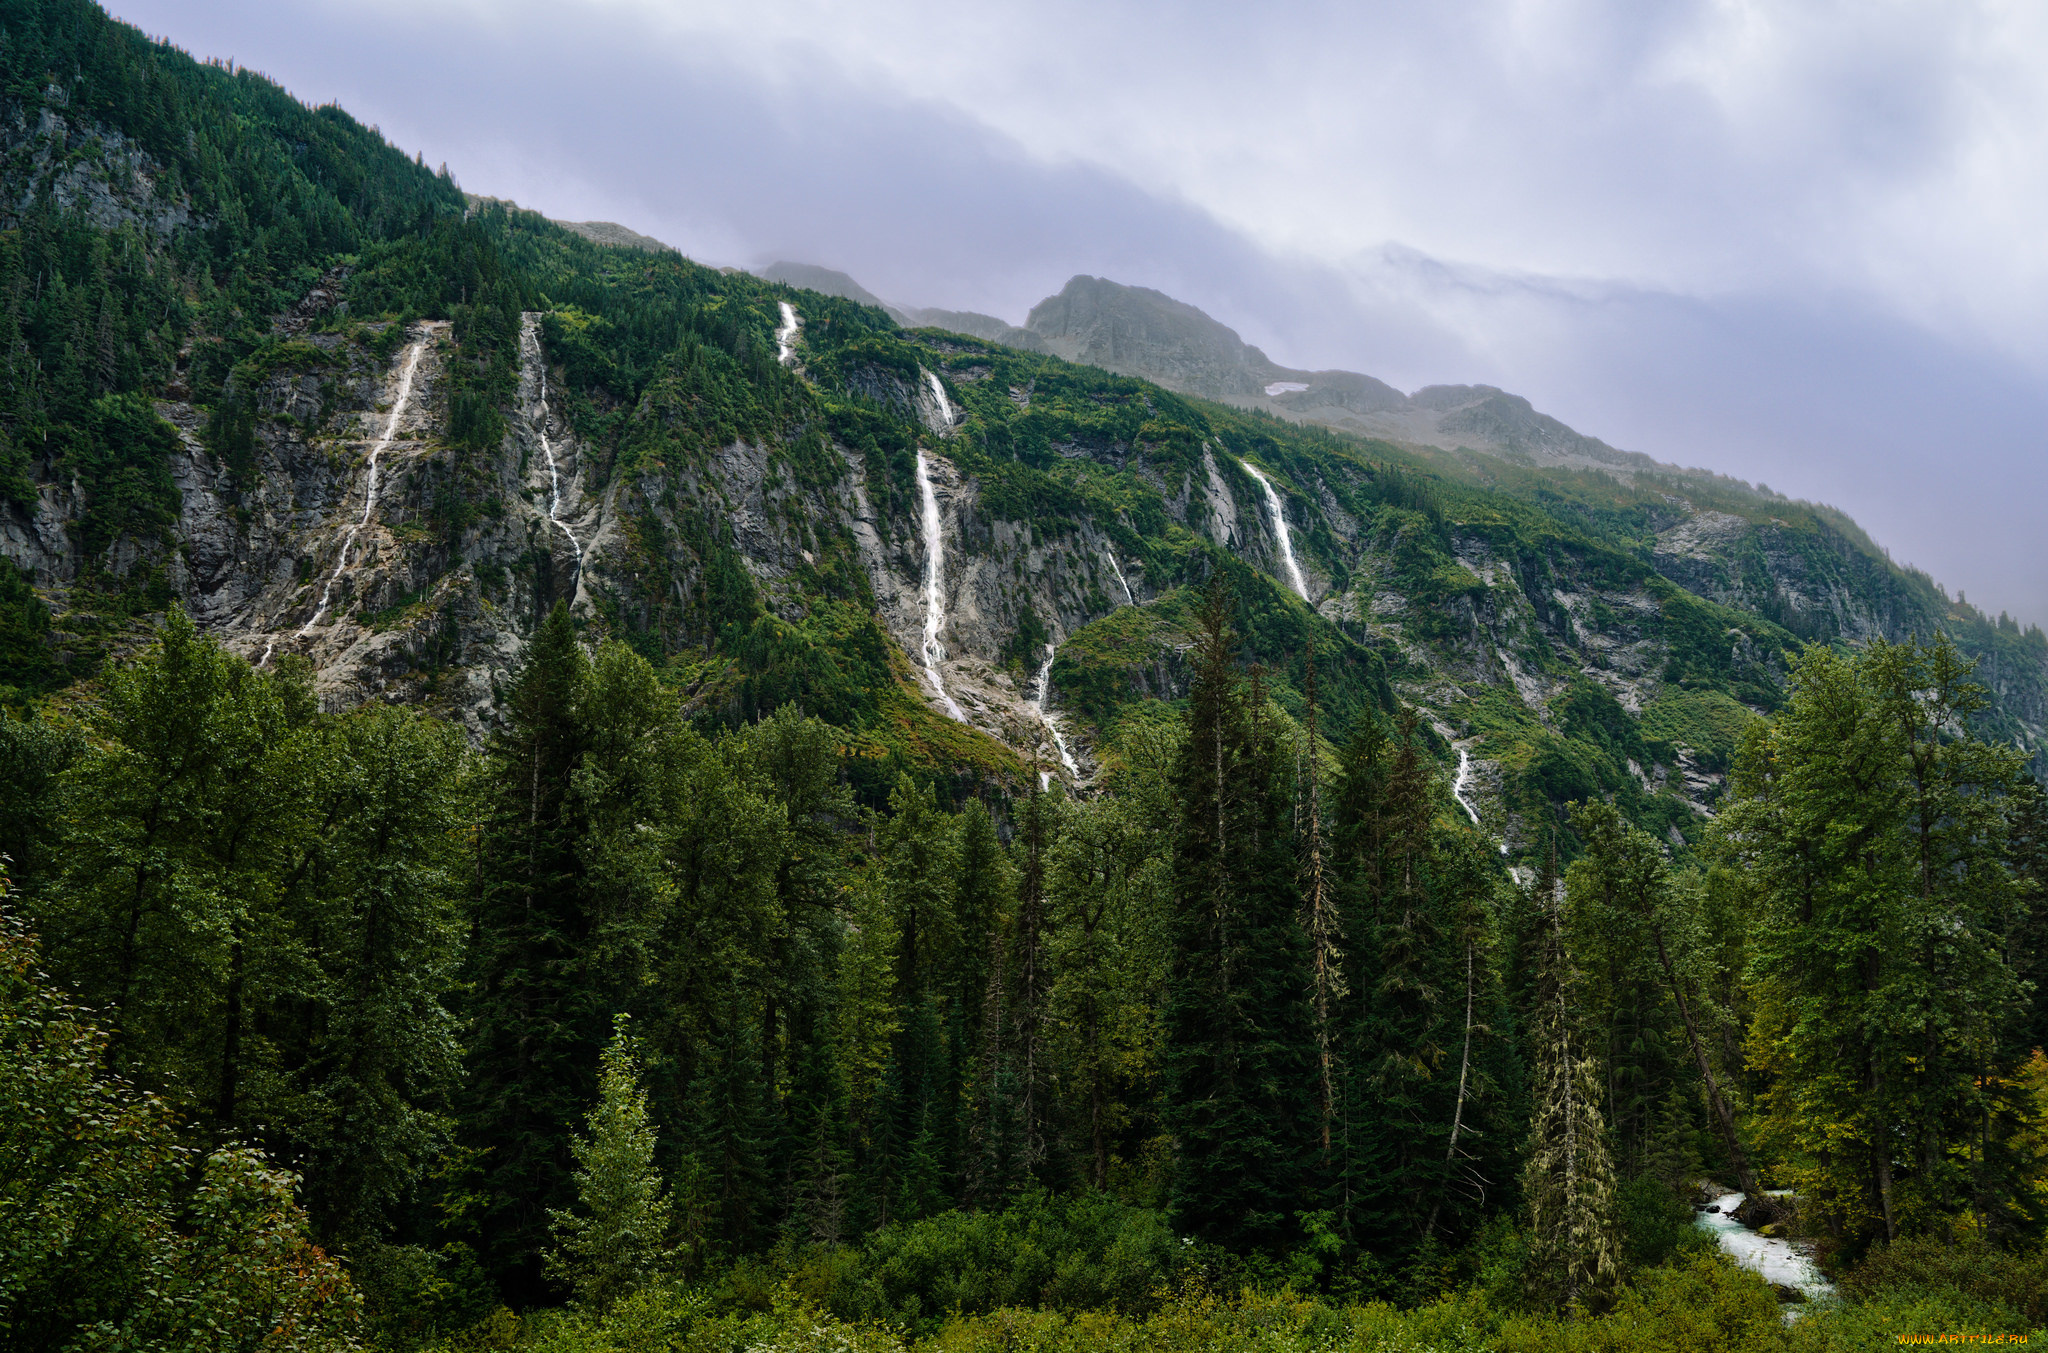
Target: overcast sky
(1802,244)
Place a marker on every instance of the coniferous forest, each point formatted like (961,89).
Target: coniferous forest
(703,988)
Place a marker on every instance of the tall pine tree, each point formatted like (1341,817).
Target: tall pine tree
(1240,1049)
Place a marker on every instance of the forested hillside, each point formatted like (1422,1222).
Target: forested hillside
(555,796)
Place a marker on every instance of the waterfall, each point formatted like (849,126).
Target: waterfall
(939,394)
(934,588)
(529,342)
(1273,505)
(1458,786)
(412,362)
(1052,726)
(1129,600)
(785,337)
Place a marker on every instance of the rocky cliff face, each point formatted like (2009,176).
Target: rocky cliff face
(75,164)
(1507,642)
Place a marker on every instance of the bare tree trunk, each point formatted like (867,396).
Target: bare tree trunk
(1464,1070)
(1881,1162)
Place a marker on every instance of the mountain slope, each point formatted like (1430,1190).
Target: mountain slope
(392,450)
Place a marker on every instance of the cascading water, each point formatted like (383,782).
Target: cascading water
(785,337)
(1129,600)
(1273,505)
(934,588)
(529,343)
(1052,726)
(939,395)
(1459,785)
(412,362)
(1776,1260)
(1462,786)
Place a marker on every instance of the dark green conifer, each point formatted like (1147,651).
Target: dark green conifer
(1240,1052)
(534,1026)
(1569,1183)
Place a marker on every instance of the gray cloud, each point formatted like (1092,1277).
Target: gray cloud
(1797,247)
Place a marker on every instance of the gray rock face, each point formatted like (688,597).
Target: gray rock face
(985,327)
(1136,331)
(824,281)
(611,232)
(79,165)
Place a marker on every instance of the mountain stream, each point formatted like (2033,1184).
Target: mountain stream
(1777,1261)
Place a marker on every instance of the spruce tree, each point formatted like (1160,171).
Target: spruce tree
(1240,1053)
(613,1241)
(732,1127)
(1404,1032)
(1569,1179)
(1321,918)
(1032,1065)
(1624,881)
(535,1020)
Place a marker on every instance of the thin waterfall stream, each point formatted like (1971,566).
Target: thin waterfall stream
(412,362)
(939,394)
(1045,716)
(529,343)
(933,651)
(1461,786)
(1129,599)
(785,337)
(1275,507)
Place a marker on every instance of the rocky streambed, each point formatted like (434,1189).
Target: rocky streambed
(1780,1262)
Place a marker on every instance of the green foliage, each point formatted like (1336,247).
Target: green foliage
(1872,837)
(1089,1252)
(123,462)
(611,1242)
(102,1243)
(1569,1178)
(1709,722)
(27,664)
(916,1044)
(1239,1053)
(1924,1266)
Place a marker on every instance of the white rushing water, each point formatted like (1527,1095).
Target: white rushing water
(1129,600)
(529,342)
(939,394)
(1273,505)
(1462,785)
(934,588)
(1052,726)
(1778,1261)
(412,362)
(785,337)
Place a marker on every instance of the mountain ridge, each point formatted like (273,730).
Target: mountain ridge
(750,483)
(1142,332)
